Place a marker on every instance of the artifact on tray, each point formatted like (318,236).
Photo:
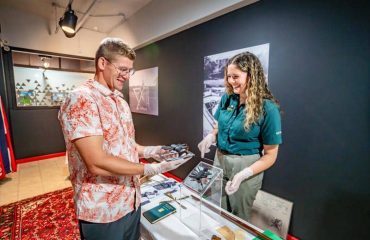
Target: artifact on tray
(176,152)
(201,177)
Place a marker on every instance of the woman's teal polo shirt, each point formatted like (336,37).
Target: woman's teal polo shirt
(233,138)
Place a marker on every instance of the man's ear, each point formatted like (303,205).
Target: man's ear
(102,63)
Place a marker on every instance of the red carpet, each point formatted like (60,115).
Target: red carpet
(48,216)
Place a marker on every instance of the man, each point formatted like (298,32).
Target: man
(102,153)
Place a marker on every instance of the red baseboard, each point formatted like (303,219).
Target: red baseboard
(167,174)
(42,157)
(290,237)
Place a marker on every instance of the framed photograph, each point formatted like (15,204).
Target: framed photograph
(214,80)
(143,91)
(57,97)
(271,212)
(25,98)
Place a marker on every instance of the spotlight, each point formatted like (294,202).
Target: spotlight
(45,61)
(68,22)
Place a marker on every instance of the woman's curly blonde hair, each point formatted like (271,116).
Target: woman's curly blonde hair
(256,88)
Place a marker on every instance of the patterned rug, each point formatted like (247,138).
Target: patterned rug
(48,216)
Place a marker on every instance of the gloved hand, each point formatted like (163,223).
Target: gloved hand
(206,143)
(233,185)
(153,152)
(164,166)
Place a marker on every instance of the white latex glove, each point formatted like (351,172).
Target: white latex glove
(206,143)
(152,152)
(156,168)
(233,185)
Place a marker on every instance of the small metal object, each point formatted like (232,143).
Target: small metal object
(168,194)
(171,200)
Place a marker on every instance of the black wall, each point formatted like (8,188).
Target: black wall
(319,70)
(34,131)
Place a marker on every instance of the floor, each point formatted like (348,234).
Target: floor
(34,178)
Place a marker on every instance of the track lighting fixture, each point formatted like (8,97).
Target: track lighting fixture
(68,21)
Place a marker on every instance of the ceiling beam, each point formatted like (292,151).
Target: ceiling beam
(85,16)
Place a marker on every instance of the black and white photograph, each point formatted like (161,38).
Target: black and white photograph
(214,80)
(143,91)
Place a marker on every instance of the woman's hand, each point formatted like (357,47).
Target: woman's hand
(206,143)
(233,185)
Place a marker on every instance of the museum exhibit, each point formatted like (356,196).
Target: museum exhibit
(184,119)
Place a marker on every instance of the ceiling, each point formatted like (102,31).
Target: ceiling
(33,24)
(104,15)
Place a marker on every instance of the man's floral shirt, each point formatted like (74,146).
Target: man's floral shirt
(94,110)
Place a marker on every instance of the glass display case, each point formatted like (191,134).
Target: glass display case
(198,212)
(202,190)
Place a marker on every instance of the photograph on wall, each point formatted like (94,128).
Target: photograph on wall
(271,212)
(57,97)
(143,91)
(47,88)
(25,98)
(213,80)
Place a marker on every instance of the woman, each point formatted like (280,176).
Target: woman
(248,132)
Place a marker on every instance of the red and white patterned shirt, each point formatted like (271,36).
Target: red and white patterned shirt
(90,110)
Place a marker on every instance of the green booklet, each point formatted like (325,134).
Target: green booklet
(159,212)
(269,234)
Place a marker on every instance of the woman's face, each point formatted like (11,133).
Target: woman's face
(236,78)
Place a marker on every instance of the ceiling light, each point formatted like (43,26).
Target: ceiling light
(45,62)
(68,21)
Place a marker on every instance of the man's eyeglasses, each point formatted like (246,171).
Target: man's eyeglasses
(122,70)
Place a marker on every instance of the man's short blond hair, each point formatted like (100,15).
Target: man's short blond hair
(109,48)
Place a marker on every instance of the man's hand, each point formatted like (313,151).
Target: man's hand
(157,168)
(233,186)
(206,143)
(153,152)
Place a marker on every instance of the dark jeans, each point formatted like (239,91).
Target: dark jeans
(125,228)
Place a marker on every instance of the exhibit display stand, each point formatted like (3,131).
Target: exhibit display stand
(201,192)
(198,214)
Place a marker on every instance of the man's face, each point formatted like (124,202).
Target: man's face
(120,69)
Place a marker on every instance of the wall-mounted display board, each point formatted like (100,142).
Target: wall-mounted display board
(36,87)
(214,79)
(43,80)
